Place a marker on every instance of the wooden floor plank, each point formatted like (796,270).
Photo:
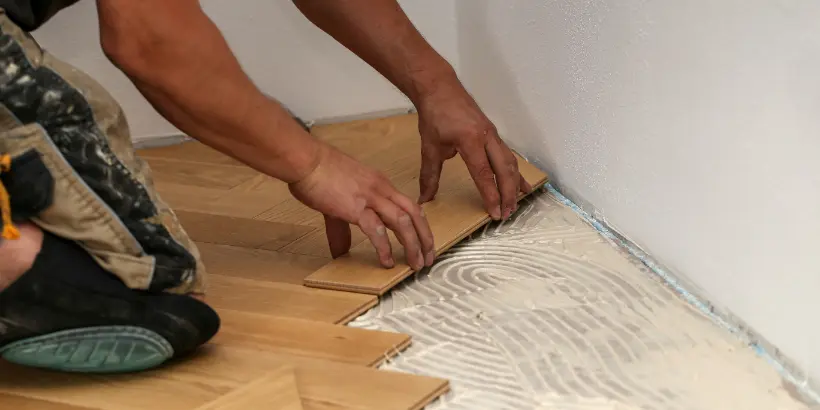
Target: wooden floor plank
(456,212)
(199,174)
(286,300)
(191,151)
(276,390)
(258,264)
(149,390)
(322,384)
(12,402)
(241,232)
(309,338)
(315,243)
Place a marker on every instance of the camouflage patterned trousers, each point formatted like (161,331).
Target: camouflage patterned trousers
(69,141)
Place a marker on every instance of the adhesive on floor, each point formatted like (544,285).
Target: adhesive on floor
(542,312)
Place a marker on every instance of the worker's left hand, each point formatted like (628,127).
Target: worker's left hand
(451,122)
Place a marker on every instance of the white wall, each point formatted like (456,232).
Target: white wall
(282,51)
(692,126)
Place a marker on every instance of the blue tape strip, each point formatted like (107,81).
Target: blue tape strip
(688,296)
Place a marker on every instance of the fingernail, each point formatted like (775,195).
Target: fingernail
(390,263)
(431,257)
(422,213)
(496,214)
(380,231)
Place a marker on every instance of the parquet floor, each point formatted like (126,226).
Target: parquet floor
(283,301)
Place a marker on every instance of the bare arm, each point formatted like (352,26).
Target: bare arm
(180,62)
(380,33)
(450,121)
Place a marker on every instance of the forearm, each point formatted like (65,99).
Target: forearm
(381,34)
(192,78)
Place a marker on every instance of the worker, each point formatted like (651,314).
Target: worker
(96,273)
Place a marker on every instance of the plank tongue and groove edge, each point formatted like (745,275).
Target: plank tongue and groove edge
(456,212)
(276,390)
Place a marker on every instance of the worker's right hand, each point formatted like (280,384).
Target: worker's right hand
(347,192)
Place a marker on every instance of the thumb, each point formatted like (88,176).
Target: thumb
(338,236)
(430,175)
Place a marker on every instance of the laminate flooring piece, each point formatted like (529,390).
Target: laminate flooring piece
(322,384)
(307,338)
(259,264)
(286,300)
(216,371)
(456,212)
(276,390)
(12,402)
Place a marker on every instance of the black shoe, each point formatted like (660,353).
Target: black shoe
(68,314)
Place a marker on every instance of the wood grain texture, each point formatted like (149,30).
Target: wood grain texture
(216,371)
(322,384)
(276,390)
(286,300)
(12,402)
(456,212)
(299,337)
(259,264)
(241,232)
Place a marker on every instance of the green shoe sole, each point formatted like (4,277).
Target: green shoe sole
(103,349)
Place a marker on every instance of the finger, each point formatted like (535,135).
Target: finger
(401,223)
(431,164)
(507,178)
(372,226)
(338,236)
(475,156)
(425,234)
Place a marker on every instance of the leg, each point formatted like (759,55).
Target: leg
(106,289)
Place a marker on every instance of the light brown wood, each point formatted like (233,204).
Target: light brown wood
(456,212)
(194,173)
(149,390)
(299,337)
(217,371)
(241,232)
(286,300)
(322,384)
(259,264)
(12,402)
(190,151)
(276,390)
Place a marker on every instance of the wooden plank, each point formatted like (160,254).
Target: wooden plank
(276,390)
(200,174)
(241,232)
(218,370)
(322,384)
(148,390)
(259,264)
(454,214)
(286,300)
(12,402)
(191,151)
(315,243)
(308,338)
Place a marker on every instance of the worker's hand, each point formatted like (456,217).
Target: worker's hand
(347,192)
(451,122)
